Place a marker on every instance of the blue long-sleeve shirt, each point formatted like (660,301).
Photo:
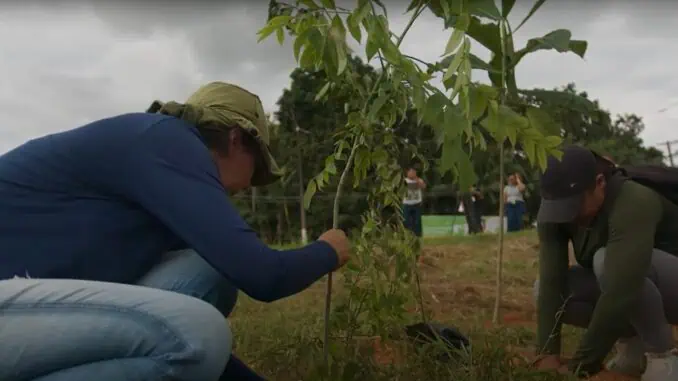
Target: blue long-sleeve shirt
(105,201)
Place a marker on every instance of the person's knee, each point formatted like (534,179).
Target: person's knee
(186,272)
(207,336)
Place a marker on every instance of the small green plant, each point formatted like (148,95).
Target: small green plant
(465,115)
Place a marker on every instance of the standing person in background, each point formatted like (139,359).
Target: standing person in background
(470,203)
(515,203)
(413,200)
(477,215)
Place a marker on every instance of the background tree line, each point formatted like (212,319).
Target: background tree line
(303,136)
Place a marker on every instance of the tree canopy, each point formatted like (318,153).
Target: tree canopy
(304,136)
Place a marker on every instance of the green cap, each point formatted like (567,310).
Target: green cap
(219,103)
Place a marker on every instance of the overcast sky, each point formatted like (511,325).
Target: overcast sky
(73,62)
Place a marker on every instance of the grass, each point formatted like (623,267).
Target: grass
(282,340)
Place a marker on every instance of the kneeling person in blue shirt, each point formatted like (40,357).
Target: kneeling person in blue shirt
(121,254)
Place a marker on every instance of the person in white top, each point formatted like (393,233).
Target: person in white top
(414,197)
(515,202)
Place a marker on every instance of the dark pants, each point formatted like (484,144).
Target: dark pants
(654,312)
(477,218)
(412,216)
(514,216)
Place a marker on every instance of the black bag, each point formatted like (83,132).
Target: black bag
(427,333)
(661,179)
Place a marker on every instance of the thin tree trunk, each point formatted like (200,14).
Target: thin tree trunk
(500,240)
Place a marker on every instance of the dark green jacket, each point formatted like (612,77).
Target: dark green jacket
(634,219)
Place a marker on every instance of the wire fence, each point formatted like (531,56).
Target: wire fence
(331,196)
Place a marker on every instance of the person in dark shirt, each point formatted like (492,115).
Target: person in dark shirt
(121,254)
(624,288)
(471,203)
(477,216)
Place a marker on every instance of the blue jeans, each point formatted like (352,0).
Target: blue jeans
(171,325)
(514,216)
(412,215)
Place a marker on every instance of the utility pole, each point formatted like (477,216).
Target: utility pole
(669,150)
(670,153)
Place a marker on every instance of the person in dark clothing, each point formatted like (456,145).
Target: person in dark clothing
(471,203)
(477,216)
(121,254)
(624,288)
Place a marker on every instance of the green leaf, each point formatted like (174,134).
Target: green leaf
(307,60)
(558,154)
(275,23)
(454,158)
(299,43)
(434,107)
(330,57)
(317,40)
(328,4)
(529,147)
(419,99)
(492,122)
(454,41)
(558,40)
(376,106)
(337,29)
(488,35)
(280,33)
(552,141)
(266,31)
(413,4)
(330,167)
(506,7)
(322,91)
(454,64)
(341,57)
(478,63)
(534,9)
(391,52)
(371,48)
(479,100)
(362,10)
(480,139)
(310,191)
(463,21)
(337,34)
(453,122)
(579,47)
(541,158)
(354,27)
(447,156)
(542,121)
(380,29)
(467,176)
(512,123)
(485,8)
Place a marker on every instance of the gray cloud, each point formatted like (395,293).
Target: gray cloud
(70,63)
